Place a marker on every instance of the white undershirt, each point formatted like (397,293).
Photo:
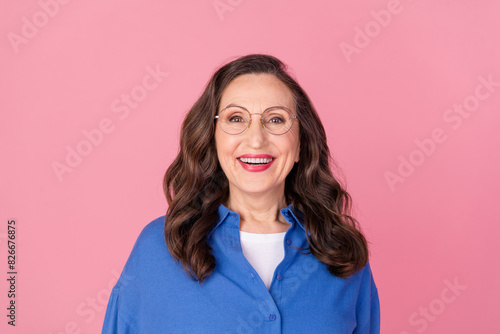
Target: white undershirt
(264,251)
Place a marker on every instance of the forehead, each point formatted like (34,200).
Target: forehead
(257,91)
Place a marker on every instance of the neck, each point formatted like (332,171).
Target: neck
(259,213)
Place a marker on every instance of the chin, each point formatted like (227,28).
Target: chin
(254,189)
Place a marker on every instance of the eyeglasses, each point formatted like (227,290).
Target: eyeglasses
(234,120)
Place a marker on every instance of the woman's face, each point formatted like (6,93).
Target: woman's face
(256,93)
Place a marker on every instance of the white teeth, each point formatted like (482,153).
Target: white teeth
(256,160)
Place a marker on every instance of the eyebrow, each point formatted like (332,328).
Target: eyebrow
(272,107)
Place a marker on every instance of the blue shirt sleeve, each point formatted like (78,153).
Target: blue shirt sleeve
(368,305)
(114,321)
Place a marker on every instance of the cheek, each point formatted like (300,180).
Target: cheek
(292,144)
(296,144)
(297,149)
(225,147)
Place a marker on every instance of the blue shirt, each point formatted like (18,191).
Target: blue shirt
(155,295)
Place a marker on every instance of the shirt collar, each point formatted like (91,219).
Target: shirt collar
(291,215)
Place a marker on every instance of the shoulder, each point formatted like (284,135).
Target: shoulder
(152,234)
(364,277)
(366,290)
(365,272)
(149,252)
(151,240)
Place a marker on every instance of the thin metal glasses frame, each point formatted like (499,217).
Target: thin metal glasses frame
(261,120)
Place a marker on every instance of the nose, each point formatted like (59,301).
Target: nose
(260,120)
(256,135)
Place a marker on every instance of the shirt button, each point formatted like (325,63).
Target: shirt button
(272,317)
(288,241)
(279,277)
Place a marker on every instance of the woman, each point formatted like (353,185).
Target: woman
(257,237)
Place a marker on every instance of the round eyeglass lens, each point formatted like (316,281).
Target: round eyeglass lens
(277,120)
(234,120)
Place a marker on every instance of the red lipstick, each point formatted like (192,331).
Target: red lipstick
(256,162)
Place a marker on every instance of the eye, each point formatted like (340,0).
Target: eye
(276,120)
(236,119)
(276,116)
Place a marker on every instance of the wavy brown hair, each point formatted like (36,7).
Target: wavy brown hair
(195,184)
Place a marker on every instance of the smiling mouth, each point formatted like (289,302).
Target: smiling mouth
(256,161)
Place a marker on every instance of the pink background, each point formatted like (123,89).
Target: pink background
(385,92)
